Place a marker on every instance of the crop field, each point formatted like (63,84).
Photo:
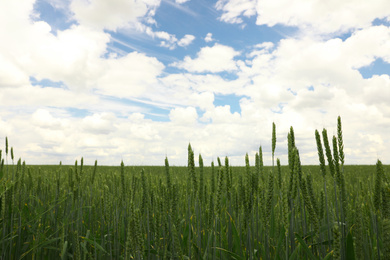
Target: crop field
(324,211)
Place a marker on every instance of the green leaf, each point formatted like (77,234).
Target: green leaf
(197,252)
(95,244)
(328,256)
(63,252)
(305,247)
(236,239)
(350,250)
(43,244)
(295,252)
(208,244)
(233,255)
(280,241)
(186,232)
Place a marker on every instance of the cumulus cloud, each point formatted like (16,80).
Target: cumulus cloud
(74,51)
(313,81)
(5,127)
(305,62)
(186,40)
(128,76)
(221,114)
(171,41)
(315,16)
(102,124)
(101,14)
(10,74)
(167,40)
(43,118)
(376,92)
(184,116)
(31,49)
(48,96)
(209,37)
(210,59)
(233,9)
(326,17)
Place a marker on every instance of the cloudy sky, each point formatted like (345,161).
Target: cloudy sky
(139,79)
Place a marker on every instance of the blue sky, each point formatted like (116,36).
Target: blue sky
(139,80)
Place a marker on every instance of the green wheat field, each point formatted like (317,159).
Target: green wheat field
(324,211)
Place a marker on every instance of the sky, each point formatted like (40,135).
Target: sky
(138,80)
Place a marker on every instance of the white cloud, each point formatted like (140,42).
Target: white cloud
(72,56)
(210,59)
(75,51)
(221,114)
(325,17)
(369,43)
(308,62)
(168,40)
(128,76)
(233,9)
(181,1)
(30,49)
(163,35)
(111,15)
(377,92)
(186,40)
(44,119)
(330,67)
(184,116)
(314,16)
(47,96)
(10,74)
(102,124)
(6,128)
(209,37)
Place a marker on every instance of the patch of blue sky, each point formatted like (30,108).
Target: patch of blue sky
(200,112)
(182,19)
(311,88)
(150,109)
(206,20)
(131,41)
(232,100)
(57,18)
(169,70)
(382,21)
(252,34)
(197,18)
(123,43)
(78,113)
(378,67)
(292,91)
(167,17)
(279,110)
(46,83)
(119,48)
(322,111)
(228,76)
(343,36)
(157,117)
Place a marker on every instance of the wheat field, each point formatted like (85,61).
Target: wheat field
(324,211)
